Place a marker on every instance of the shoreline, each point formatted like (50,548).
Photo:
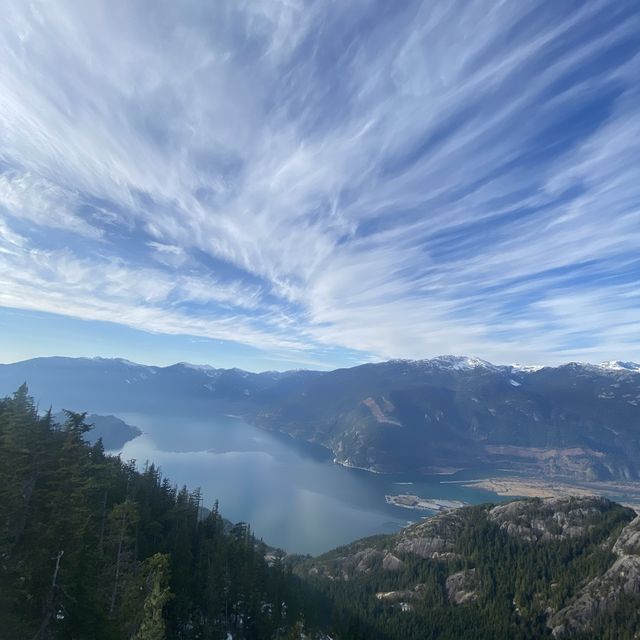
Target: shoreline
(625,493)
(416,503)
(348,465)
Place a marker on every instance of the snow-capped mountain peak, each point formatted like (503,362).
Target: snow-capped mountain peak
(461,362)
(619,365)
(197,367)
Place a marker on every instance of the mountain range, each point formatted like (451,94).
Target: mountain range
(577,420)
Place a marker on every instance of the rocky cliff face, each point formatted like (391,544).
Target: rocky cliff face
(549,519)
(532,521)
(433,538)
(462,586)
(628,543)
(602,593)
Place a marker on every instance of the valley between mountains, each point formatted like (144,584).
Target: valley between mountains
(526,430)
(91,547)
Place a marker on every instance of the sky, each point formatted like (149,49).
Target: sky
(282,184)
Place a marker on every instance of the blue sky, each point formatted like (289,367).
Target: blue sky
(293,184)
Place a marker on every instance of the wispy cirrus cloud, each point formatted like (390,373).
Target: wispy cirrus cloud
(402,180)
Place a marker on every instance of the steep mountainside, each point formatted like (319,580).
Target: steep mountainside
(576,420)
(533,568)
(92,549)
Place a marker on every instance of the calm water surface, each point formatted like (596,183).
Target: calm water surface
(290,492)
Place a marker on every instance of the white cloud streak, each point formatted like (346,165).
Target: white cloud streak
(446,177)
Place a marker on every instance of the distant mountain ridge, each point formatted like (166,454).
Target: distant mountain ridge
(427,416)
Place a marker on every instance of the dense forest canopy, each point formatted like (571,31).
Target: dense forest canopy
(92,548)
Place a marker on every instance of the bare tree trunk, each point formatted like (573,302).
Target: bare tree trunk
(55,572)
(227,584)
(27,493)
(114,592)
(102,523)
(49,610)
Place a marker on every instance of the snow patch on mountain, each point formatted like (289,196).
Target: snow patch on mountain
(197,367)
(619,365)
(527,368)
(460,363)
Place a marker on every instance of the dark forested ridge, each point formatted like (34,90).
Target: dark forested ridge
(553,568)
(90,548)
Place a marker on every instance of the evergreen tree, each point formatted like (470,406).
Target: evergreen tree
(155,574)
(92,549)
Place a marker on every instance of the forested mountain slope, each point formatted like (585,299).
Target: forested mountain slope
(554,568)
(579,421)
(92,549)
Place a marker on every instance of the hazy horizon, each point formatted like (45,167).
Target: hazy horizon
(610,362)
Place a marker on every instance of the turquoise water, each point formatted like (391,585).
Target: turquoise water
(291,492)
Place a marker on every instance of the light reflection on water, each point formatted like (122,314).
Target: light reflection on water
(290,492)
